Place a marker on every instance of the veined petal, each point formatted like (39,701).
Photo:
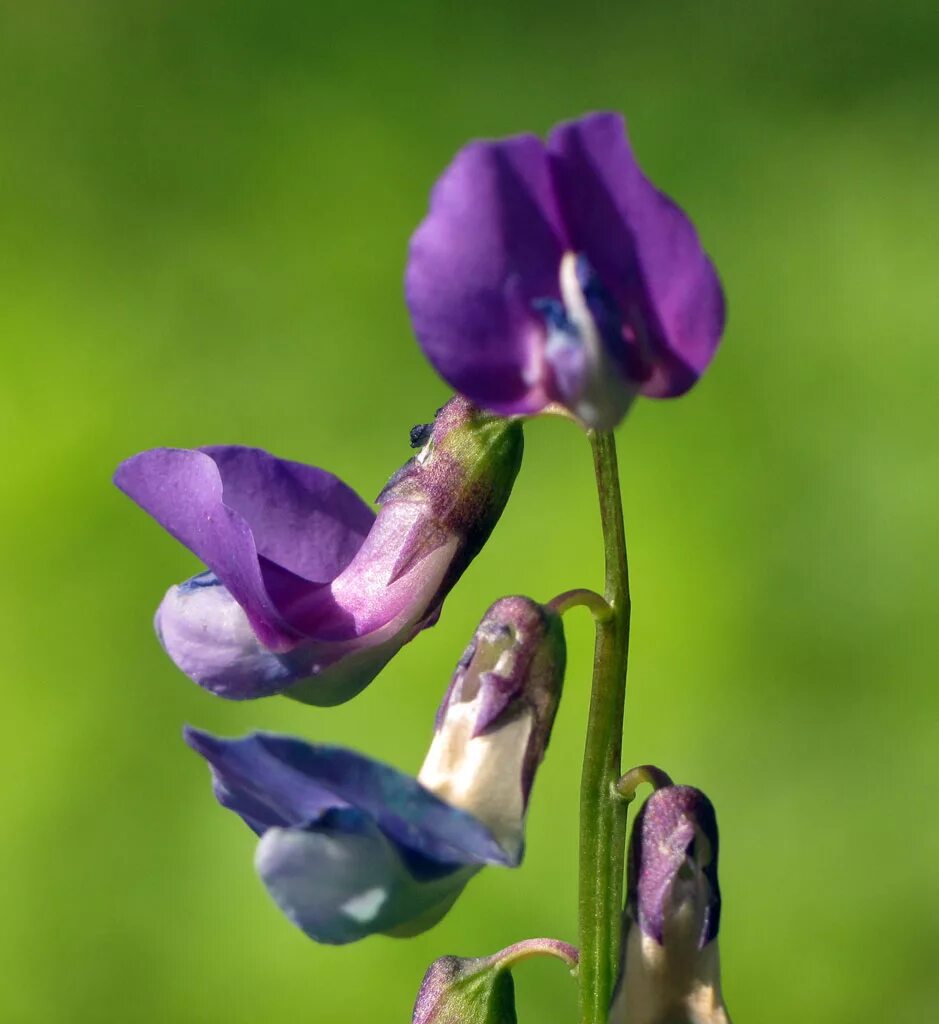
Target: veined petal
(645,250)
(264,789)
(234,506)
(182,490)
(487,250)
(299,781)
(302,518)
(373,591)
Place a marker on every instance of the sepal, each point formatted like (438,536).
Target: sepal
(480,990)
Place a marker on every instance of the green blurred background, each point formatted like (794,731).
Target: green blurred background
(204,210)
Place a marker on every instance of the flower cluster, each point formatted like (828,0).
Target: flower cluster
(547,277)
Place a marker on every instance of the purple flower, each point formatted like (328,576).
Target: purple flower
(307,591)
(671,966)
(351,847)
(555,272)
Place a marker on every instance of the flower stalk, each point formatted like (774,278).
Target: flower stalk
(626,786)
(602,815)
(582,598)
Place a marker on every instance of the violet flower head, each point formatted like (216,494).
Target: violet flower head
(351,847)
(308,592)
(671,964)
(555,272)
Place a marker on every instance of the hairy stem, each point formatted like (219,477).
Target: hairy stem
(602,814)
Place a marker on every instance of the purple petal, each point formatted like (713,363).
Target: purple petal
(331,674)
(303,518)
(489,247)
(644,249)
(308,519)
(208,636)
(404,811)
(372,590)
(664,847)
(299,781)
(264,790)
(182,490)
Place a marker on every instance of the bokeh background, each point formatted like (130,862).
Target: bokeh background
(204,212)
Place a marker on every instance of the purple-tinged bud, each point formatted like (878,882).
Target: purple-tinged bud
(495,721)
(480,990)
(671,965)
(308,593)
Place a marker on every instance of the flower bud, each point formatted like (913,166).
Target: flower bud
(480,990)
(671,966)
(493,727)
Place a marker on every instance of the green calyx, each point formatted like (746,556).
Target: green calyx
(459,991)
(472,458)
(480,990)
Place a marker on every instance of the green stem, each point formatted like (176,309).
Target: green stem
(602,815)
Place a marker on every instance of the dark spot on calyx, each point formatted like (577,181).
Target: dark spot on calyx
(420,434)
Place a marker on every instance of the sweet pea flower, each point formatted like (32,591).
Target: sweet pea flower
(554,273)
(308,592)
(671,965)
(352,847)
